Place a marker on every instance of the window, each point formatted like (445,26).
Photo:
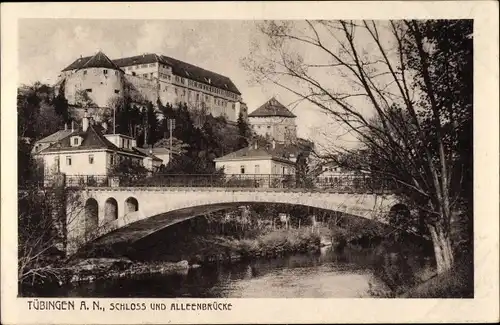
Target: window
(89,90)
(117,91)
(91,159)
(123,143)
(175,90)
(111,160)
(268,126)
(257,169)
(133,73)
(68,160)
(116,73)
(76,141)
(242,169)
(105,71)
(84,72)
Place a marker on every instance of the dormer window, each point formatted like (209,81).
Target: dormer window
(75,141)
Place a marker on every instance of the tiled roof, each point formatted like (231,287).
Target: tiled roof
(92,139)
(179,68)
(99,60)
(193,72)
(251,152)
(271,108)
(54,137)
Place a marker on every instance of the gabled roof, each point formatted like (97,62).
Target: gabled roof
(54,137)
(272,108)
(91,139)
(179,68)
(251,153)
(99,60)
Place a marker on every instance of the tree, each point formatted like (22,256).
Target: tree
(404,71)
(61,106)
(83,99)
(302,175)
(152,124)
(37,115)
(243,131)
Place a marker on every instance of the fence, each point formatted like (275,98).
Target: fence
(340,184)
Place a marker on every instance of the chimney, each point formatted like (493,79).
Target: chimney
(255,145)
(85,121)
(72,126)
(65,126)
(104,126)
(274,144)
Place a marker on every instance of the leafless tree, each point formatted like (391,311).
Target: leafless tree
(378,80)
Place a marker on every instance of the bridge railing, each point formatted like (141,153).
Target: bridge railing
(339,184)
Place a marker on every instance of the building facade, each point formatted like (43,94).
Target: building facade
(255,160)
(275,121)
(88,152)
(150,77)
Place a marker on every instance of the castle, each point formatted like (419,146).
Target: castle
(149,77)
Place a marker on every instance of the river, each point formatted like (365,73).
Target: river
(323,275)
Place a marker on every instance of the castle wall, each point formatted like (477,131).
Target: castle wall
(100,85)
(141,89)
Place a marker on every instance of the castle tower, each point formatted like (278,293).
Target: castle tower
(273,119)
(93,81)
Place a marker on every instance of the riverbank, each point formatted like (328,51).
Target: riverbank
(210,248)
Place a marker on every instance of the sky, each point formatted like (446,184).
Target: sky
(46,46)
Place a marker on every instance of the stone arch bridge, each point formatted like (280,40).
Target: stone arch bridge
(113,216)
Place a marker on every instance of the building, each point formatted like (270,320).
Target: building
(149,77)
(332,175)
(257,160)
(51,139)
(274,120)
(152,162)
(87,151)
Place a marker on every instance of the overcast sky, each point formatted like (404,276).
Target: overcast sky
(46,46)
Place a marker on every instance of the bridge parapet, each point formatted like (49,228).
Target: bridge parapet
(267,182)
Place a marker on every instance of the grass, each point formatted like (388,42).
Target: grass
(455,283)
(279,242)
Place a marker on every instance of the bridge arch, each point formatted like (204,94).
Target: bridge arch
(131,205)
(110,209)
(91,215)
(158,212)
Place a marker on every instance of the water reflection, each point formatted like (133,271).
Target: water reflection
(328,274)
